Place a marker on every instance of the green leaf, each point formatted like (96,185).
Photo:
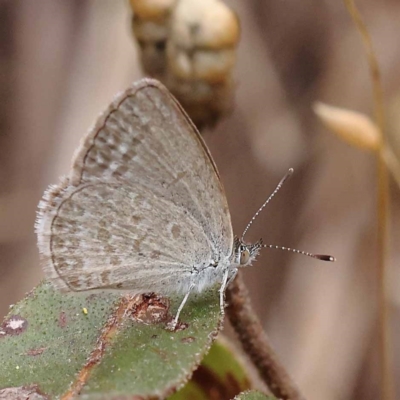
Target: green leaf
(253,395)
(221,375)
(104,344)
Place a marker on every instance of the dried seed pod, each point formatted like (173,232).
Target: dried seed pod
(355,128)
(191,47)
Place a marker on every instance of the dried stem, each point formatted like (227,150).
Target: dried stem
(392,163)
(383,206)
(256,343)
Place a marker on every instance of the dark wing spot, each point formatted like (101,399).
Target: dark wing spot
(176,231)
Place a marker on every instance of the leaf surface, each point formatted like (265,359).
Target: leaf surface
(104,345)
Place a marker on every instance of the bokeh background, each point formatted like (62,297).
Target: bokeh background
(63,61)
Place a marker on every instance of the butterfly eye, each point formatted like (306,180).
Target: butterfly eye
(244,256)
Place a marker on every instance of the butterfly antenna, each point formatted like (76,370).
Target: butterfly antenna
(323,257)
(290,172)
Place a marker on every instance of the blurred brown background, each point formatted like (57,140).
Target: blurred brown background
(63,61)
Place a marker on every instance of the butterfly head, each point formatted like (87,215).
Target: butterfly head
(246,253)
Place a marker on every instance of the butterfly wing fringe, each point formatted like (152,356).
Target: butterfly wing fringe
(47,211)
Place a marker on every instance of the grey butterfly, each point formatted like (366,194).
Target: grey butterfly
(143,208)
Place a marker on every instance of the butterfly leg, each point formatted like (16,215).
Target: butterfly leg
(232,277)
(175,321)
(222,291)
(225,283)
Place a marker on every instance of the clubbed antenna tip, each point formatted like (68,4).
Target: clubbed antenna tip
(325,257)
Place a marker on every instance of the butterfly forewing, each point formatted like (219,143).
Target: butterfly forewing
(145,135)
(143,203)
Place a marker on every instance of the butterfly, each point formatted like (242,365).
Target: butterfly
(143,208)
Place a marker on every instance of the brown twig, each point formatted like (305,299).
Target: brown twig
(256,343)
(383,204)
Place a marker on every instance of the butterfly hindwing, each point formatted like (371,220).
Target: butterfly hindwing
(111,235)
